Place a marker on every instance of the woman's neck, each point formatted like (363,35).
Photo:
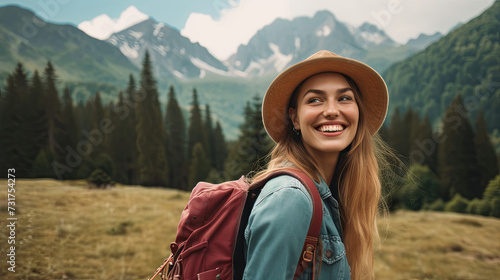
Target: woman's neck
(326,163)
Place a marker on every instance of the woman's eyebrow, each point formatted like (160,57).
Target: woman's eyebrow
(322,92)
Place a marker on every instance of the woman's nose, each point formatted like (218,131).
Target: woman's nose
(331,109)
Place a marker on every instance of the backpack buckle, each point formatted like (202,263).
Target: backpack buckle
(308,254)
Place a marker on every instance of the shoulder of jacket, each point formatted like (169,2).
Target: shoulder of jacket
(287,183)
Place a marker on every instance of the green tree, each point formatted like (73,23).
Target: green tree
(437,205)
(70,127)
(458,169)
(151,134)
(485,208)
(457,204)
(217,174)
(12,118)
(420,187)
(200,165)
(130,121)
(52,110)
(411,125)
(89,114)
(176,146)
(492,191)
(42,167)
(253,145)
(424,148)
(97,116)
(473,206)
(120,145)
(486,156)
(220,147)
(99,110)
(399,134)
(99,179)
(495,208)
(195,130)
(36,122)
(209,136)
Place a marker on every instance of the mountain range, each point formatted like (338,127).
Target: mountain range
(273,48)
(89,65)
(77,57)
(174,55)
(80,57)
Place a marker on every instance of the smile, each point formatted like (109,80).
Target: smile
(331,128)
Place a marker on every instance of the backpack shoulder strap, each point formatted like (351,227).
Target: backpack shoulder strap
(311,243)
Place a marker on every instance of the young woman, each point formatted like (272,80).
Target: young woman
(323,113)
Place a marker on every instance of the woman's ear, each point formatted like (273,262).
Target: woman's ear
(293,117)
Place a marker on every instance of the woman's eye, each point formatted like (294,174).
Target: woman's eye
(313,100)
(345,98)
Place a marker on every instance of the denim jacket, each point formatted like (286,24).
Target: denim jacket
(278,226)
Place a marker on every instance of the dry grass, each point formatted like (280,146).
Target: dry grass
(66,231)
(432,245)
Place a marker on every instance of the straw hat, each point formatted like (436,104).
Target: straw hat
(371,85)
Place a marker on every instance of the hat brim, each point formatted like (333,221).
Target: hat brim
(371,85)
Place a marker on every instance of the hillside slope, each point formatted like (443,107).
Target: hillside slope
(76,56)
(466,62)
(66,231)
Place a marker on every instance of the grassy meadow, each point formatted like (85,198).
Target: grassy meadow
(66,231)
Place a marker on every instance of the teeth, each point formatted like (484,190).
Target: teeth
(331,128)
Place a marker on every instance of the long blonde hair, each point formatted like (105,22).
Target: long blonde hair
(357,178)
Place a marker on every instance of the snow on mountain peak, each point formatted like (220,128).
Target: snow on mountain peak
(102,26)
(324,32)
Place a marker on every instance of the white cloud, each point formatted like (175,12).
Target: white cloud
(102,26)
(401,19)
(430,16)
(235,26)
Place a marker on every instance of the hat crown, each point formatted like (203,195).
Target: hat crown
(322,54)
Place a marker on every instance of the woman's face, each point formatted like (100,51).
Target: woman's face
(326,114)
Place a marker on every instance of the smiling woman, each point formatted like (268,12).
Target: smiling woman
(323,113)
(324,109)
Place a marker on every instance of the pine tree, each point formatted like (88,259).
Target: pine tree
(195,131)
(250,151)
(457,164)
(12,117)
(52,109)
(119,143)
(70,126)
(42,167)
(405,134)
(71,123)
(220,148)
(486,157)
(209,136)
(88,115)
(176,151)
(27,124)
(414,128)
(151,134)
(80,114)
(98,115)
(36,121)
(130,121)
(424,148)
(200,165)
(398,135)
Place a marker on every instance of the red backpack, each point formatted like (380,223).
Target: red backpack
(209,242)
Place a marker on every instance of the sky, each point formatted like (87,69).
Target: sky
(222,25)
